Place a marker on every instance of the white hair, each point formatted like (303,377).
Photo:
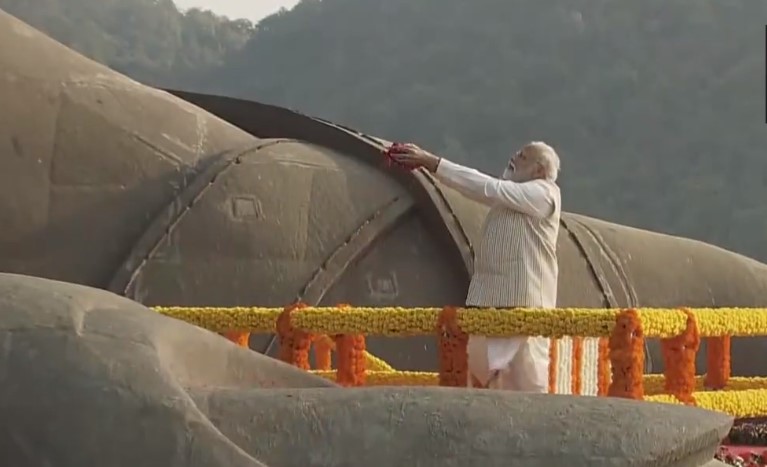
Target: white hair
(547,157)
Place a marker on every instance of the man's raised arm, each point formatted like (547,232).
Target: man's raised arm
(533,198)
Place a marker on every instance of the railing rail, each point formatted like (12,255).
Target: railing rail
(492,322)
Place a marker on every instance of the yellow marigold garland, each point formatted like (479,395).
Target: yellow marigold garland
(627,356)
(739,404)
(655,384)
(373,363)
(679,360)
(294,343)
(453,356)
(553,364)
(397,321)
(390,378)
(603,367)
(503,322)
(718,362)
(256,320)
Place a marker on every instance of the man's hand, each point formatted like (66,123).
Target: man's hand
(411,155)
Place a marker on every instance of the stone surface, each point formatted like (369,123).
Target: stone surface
(88,378)
(456,427)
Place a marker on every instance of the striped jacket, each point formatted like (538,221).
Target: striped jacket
(515,264)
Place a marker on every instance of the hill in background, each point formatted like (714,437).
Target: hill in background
(656,107)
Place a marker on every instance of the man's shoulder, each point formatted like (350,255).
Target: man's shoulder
(553,196)
(547,185)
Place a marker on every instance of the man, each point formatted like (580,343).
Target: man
(516,262)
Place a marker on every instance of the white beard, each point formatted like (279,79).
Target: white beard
(507,174)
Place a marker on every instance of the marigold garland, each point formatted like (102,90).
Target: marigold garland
(576,380)
(603,367)
(679,361)
(716,324)
(453,355)
(553,364)
(627,356)
(238,337)
(398,321)
(739,404)
(718,365)
(294,343)
(743,397)
(390,378)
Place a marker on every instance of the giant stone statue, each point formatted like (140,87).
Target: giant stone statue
(88,378)
(188,199)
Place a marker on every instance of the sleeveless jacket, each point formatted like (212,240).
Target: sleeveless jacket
(516,262)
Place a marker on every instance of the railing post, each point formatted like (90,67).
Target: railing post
(718,363)
(553,364)
(679,360)
(323,349)
(627,356)
(294,343)
(453,343)
(603,367)
(350,352)
(576,383)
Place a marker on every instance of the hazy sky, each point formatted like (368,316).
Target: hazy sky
(253,10)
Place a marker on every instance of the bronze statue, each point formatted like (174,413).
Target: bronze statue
(188,199)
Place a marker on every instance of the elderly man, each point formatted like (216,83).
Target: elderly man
(516,262)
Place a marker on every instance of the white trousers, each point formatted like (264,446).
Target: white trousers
(511,363)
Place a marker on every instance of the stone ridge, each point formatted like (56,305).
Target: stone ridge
(457,427)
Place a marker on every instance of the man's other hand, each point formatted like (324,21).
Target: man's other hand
(411,155)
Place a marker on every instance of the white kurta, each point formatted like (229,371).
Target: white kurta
(515,265)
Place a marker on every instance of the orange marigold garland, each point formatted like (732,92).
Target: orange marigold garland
(576,382)
(627,356)
(322,352)
(294,343)
(238,337)
(718,363)
(553,364)
(679,361)
(453,356)
(350,352)
(603,367)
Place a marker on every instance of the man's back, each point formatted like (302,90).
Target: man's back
(516,261)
